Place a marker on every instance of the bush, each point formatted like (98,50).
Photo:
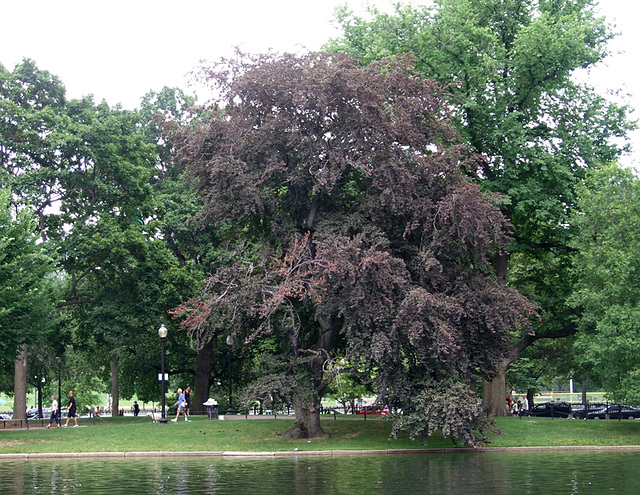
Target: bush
(447,407)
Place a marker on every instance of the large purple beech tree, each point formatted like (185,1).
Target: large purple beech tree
(356,240)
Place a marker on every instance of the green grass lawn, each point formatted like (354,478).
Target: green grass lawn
(547,432)
(254,435)
(130,434)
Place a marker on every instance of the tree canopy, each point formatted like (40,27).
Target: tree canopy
(88,175)
(607,271)
(357,234)
(509,68)
(25,269)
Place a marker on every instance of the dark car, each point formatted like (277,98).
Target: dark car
(582,412)
(551,410)
(615,411)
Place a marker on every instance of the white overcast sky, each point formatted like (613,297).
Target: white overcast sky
(119,50)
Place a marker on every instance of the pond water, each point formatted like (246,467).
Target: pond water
(521,473)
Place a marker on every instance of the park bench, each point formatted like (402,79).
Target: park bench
(21,423)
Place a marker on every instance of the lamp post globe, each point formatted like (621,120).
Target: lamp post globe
(162,333)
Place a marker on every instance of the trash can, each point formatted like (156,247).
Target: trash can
(212,409)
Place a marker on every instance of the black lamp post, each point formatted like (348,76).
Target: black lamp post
(59,387)
(162,332)
(230,409)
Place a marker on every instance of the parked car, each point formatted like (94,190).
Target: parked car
(374,409)
(551,410)
(582,412)
(615,411)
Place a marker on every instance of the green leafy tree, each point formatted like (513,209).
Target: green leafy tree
(347,388)
(509,69)
(33,129)
(118,252)
(357,236)
(196,247)
(607,296)
(29,98)
(134,280)
(87,170)
(26,303)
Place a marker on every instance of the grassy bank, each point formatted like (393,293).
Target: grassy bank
(260,435)
(547,432)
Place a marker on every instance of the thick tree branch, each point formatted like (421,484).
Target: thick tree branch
(521,345)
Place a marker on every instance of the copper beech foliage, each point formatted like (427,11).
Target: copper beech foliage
(368,241)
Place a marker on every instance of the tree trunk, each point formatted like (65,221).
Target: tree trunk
(115,389)
(307,410)
(530,398)
(502,262)
(307,423)
(494,393)
(300,427)
(20,385)
(200,392)
(315,429)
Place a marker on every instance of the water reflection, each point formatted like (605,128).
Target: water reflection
(584,472)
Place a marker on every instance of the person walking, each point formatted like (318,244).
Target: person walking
(181,403)
(55,412)
(72,411)
(187,400)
